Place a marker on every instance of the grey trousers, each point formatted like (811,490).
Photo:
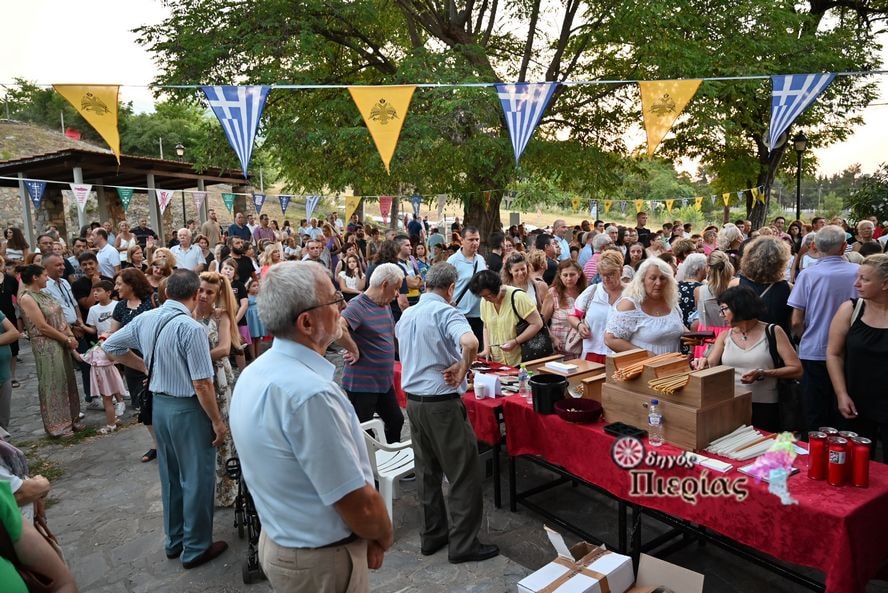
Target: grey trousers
(444,444)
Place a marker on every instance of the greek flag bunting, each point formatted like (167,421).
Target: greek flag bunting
(791,94)
(416,202)
(199,197)
(239,109)
(523,105)
(164,196)
(35,190)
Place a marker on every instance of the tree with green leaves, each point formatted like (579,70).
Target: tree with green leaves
(455,140)
(870,197)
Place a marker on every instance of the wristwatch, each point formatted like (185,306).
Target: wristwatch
(761,374)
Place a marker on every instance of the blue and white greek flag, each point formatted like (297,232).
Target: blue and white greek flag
(791,94)
(238,109)
(311,202)
(35,190)
(524,104)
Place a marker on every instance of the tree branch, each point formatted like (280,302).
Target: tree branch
(554,71)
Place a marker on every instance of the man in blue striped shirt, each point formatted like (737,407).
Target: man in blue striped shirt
(187,422)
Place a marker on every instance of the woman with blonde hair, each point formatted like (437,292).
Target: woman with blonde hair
(124,240)
(763,269)
(161,268)
(593,307)
(537,264)
(270,255)
(647,315)
(729,240)
(857,350)
(216,309)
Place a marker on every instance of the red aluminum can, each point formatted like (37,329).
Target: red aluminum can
(829,430)
(847,434)
(860,461)
(817,455)
(836,473)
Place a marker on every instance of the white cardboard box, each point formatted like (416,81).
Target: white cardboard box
(577,569)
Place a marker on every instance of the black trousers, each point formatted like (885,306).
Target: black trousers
(478,329)
(384,404)
(821,408)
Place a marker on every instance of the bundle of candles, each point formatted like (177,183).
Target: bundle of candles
(744,443)
(670,384)
(631,371)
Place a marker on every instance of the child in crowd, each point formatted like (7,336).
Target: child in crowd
(105,380)
(257,330)
(98,320)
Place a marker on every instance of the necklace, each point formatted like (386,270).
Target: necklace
(744,334)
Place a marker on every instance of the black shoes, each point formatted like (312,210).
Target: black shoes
(482,552)
(430,548)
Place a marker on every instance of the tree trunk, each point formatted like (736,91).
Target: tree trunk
(770,163)
(487,219)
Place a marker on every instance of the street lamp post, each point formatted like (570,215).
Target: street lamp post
(799,144)
(180,153)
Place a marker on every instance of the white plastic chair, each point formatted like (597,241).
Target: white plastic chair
(390,461)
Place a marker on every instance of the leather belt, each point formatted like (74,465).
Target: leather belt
(433,398)
(344,541)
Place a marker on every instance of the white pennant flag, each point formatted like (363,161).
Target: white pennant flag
(199,197)
(164,197)
(81,194)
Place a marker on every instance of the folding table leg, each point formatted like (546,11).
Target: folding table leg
(496,475)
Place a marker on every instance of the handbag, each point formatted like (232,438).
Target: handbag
(539,345)
(789,391)
(145,396)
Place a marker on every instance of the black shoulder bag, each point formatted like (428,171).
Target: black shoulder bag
(146,398)
(462,293)
(789,391)
(539,345)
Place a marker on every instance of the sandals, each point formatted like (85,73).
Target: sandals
(15,383)
(150,455)
(107,429)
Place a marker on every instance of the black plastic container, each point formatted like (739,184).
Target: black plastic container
(547,389)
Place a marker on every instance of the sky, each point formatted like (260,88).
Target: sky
(90,41)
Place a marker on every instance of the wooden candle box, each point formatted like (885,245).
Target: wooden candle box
(685,426)
(704,388)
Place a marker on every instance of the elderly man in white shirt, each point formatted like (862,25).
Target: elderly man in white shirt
(188,255)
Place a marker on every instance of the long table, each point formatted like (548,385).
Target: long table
(839,531)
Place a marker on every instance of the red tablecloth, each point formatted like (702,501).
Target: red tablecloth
(840,531)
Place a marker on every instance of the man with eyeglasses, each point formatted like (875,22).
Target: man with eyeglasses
(301,446)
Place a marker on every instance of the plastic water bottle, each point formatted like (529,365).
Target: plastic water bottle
(655,424)
(524,385)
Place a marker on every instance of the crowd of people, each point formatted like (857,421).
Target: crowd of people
(231,325)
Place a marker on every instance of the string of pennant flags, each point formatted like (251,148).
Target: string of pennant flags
(384,108)
(81,193)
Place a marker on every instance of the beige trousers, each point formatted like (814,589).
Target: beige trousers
(342,569)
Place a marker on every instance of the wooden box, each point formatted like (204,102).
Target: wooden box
(591,386)
(684,426)
(704,388)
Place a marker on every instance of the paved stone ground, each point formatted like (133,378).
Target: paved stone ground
(105,507)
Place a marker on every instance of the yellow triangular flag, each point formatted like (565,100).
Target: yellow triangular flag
(351,204)
(575,202)
(662,101)
(698,203)
(669,204)
(383,109)
(607,205)
(639,206)
(726,198)
(98,106)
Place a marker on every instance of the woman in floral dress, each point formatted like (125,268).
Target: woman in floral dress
(216,309)
(51,342)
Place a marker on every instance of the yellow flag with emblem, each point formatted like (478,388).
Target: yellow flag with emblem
(97,104)
(607,205)
(639,206)
(698,203)
(575,202)
(662,101)
(351,205)
(384,109)
(726,198)
(669,204)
